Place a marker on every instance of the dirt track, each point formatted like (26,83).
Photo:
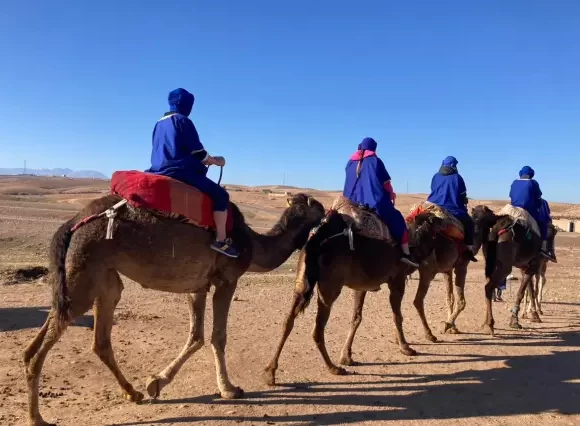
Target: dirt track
(530,376)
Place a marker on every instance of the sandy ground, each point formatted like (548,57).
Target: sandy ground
(530,376)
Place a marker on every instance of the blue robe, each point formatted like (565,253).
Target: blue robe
(369,190)
(545,212)
(449,192)
(178,153)
(526,194)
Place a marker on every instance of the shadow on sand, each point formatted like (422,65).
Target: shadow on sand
(529,385)
(12,319)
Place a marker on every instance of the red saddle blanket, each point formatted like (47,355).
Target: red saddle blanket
(167,195)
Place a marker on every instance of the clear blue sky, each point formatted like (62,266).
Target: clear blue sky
(292,87)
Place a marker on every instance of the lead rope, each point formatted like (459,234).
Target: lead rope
(111,215)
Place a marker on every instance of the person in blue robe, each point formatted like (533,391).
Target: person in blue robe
(179,154)
(448,190)
(368,183)
(525,193)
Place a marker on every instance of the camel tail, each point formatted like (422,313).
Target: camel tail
(332,226)
(58,249)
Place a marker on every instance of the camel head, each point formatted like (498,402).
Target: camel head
(483,218)
(303,213)
(423,230)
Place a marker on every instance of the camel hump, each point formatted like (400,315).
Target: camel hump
(452,227)
(363,220)
(166,196)
(521,215)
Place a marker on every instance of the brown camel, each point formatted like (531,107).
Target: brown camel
(160,253)
(540,278)
(506,243)
(446,258)
(329,260)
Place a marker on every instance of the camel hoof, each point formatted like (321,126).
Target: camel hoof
(408,351)
(449,328)
(41,423)
(153,387)
(430,337)
(338,371)
(488,329)
(515,324)
(269,377)
(133,396)
(525,315)
(348,361)
(540,312)
(234,393)
(535,318)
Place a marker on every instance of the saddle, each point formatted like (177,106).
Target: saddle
(521,215)
(362,219)
(166,197)
(452,227)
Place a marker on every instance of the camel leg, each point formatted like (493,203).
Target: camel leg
(459,289)
(425,278)
(540,289)
(104,308)
(269,374)
(397,291)
(450,298)
(195,341)
(527,304)
(34,357)
(359,301)
(222,300)
(326,297)
(525,284)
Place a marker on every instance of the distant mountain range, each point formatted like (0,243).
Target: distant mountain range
(91,174)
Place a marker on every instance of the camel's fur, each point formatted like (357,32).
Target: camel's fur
(162,254)
(327,262)
(504,250)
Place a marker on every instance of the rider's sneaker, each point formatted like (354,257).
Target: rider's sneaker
(548,255)
(226,248)
(468,254)
(406,259)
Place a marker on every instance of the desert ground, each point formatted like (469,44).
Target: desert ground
(529,376)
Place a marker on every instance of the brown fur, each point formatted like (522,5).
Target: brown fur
(163,254)
(504,250)
(446,258)
(328,264)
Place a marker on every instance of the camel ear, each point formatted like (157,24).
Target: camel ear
(310,201)
(289,202)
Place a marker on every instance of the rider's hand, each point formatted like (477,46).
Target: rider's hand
(219,161)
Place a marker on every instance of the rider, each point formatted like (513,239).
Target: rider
(368,183)
(178,153)
(545,214)
(525,193)
(448,190)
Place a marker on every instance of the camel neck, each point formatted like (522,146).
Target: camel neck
(272,249)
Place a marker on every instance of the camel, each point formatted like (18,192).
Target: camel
(446,258)
(540,278)
(160,253)
(506,243)
(335,257)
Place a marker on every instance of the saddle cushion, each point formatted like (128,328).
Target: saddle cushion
(365,222)
(452,227)
(166,195)
(522,216)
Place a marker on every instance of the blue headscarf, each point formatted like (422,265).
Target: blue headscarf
(527,171)
(180,101)
(450,161)
(368,144)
